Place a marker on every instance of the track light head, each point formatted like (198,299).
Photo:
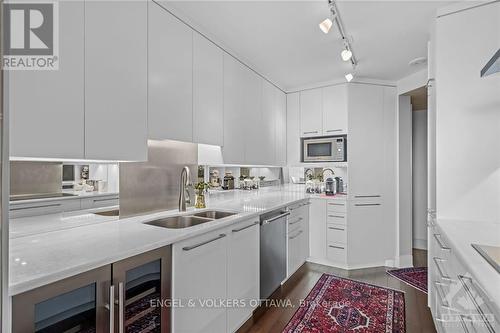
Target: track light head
(325,25)
(349,77)
(346,55)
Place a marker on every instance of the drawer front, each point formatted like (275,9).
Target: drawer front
(336,253)
(444,272)
(336,218)
(43,208)
(336,234)
(295,223)
(337,206)
(88,203)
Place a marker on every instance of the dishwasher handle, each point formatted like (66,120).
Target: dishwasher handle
(274,218)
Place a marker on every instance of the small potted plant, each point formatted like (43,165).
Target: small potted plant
(201,188)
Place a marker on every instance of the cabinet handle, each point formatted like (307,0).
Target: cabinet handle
(297,235)
(189,248)
(111,308)
(305,204)
(298,220)
(468,291)
(107,199)
(248,226)
(462,322)
(276,218)
(336,247)
(438,239)
(444,301)
(40,206)
(121,310)
(333,228)
(336,204)
(338,216)
(440,270)
(368,196)
(334,130)
(310,132)
(368,204)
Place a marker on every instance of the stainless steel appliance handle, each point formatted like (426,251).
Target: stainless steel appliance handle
(275,218)
(298,220)
(189,248)
(297,235)
(437,237)
(338,216)
(336,247)
(368,196)
(440,270)
(333,228)
(121,308)
(368,204)
(248,226)
(468,291)
(111,308)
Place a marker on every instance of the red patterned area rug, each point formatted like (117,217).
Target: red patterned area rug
(415,277)
(338,305)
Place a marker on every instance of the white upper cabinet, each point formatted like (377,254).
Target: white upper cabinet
(208,85)
(293,128)
(335,110)
(254,126)
(280,125)
(46,107)
(170,76)
(366,140)
(265,130)
(115,80)
(235,117)
(311,113)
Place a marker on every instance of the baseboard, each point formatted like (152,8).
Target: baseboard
(404,261)
(420,244)
(326,262)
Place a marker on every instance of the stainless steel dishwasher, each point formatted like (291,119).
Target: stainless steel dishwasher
(272,251)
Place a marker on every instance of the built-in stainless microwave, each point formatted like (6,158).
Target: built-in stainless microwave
(325,149)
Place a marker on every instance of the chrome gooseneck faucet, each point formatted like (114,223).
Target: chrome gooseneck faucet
(185,181)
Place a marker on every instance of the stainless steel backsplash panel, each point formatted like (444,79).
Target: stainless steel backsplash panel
(35,177)
(151,186)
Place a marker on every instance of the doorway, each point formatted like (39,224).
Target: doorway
(413,176)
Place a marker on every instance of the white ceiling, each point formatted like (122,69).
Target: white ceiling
(282,41)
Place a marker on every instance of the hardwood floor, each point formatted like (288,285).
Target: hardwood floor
(274,319)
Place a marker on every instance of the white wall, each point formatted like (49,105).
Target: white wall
(412,82)
(468,115)
(419,175)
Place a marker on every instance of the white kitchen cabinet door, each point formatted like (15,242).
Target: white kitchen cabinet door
(304,249)
(170,114)
(243,267)
(293,128)
(294,250)
(263,149)
(280,125)
(116,106)
(208,85)
(365,146)
(47,107)
(317,229)
(199,274)
(368,234)
(235,117)
(256,129)
(335,110)
(311,113)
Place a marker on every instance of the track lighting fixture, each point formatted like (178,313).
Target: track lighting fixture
(325,25)
(346,55)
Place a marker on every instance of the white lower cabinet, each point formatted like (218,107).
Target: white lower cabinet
(243,273)
(298,236)
(317,229)
(210,270)
(19,209)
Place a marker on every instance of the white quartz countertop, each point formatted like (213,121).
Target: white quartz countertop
(460,235)
(57,251)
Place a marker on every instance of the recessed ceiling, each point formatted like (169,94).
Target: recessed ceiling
(282,40)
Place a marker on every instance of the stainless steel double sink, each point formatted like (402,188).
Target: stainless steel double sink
(185,221)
